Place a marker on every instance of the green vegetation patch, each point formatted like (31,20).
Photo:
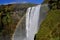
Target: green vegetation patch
(49,29)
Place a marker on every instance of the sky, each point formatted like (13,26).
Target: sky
(20,1)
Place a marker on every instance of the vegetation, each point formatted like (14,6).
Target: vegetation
(9,16)
(49,28)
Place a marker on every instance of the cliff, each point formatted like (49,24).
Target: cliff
(9,16)
(49,28)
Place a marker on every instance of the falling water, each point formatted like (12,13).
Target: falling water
(32,21)
(34,16)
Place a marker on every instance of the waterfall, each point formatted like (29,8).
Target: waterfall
(30,24)
(32,21)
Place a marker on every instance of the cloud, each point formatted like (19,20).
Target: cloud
(24,2)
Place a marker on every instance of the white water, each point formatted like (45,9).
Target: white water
(32,21)
(34,16)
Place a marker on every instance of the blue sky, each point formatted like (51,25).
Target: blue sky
(20,1)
